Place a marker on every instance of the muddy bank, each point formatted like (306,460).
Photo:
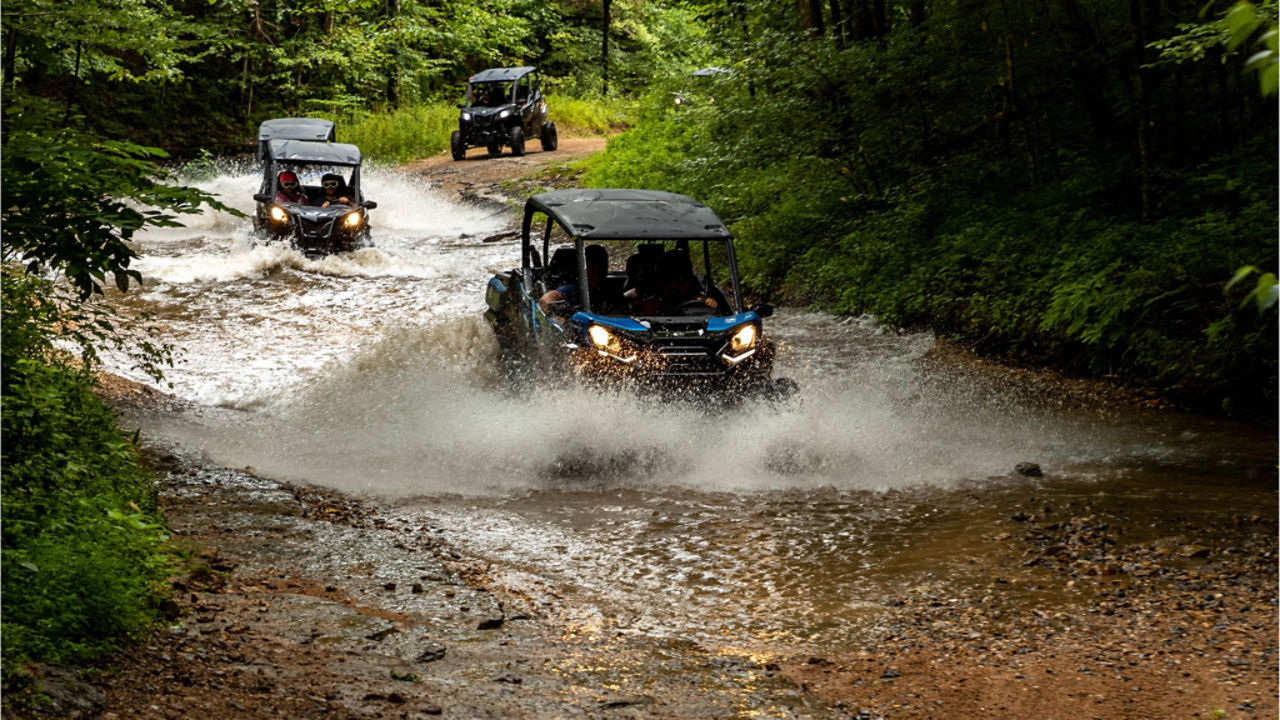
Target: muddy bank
(1085,613)
(298,602)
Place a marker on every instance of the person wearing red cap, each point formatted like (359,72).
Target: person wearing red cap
(290,190)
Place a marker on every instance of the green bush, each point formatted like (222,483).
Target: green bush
(409,133)
(83,545)
(1050,272)
(402,135)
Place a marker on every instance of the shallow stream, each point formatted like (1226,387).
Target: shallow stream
(750,530)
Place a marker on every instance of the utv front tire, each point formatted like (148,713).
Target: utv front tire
(550,139)
(517,141)
(456,146)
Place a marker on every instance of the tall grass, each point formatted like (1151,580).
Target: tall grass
(399,136)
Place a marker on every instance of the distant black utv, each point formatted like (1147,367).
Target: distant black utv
(300,162)
(504,106)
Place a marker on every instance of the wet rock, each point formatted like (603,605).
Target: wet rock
(890,674)
(382,634)
(1028,469)
(65,693)
(431,652)
(622,702)
(492,623)
(1193,551)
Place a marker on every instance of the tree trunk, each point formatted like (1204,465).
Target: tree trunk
(75,82)
(1142,103)
(811,17)
(604,46)
(740,10)
(393,72)
(10,56)
(839,24)
(915,12)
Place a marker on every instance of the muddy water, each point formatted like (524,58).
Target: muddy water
(750,531)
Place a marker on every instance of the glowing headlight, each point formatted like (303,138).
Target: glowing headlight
(466,117)
(278,214)
(353,220)
(743,339)
(607,343)
(603,339)
(503,114)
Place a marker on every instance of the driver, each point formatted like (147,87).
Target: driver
(676,288)
(602,302)
(290,191)
(335,190)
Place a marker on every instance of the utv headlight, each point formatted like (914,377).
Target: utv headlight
(353,220)
(742,344)
(503,114)
(278,214)
(744,338)
(466,117)
(606,343)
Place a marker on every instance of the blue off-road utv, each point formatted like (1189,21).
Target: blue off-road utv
(635,287)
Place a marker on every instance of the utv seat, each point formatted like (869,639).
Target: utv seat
(641,267)
(563,268)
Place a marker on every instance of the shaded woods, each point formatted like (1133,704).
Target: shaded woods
(1072,183)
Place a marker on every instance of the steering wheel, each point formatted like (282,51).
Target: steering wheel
(696,307)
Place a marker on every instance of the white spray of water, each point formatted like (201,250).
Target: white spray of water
(423,411)
(371,371)
(257,319)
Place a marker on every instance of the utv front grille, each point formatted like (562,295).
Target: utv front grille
(687,356)
(315,229)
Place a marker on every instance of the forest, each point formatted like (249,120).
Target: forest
(1079,184)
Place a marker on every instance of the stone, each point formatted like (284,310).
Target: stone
(1028,469)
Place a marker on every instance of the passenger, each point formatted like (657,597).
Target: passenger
(676,290)
(602,302)
(290,191)
(335,190)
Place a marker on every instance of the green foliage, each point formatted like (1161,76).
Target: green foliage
(974,170)
(82,540)
(402,135)
(208,72)
(409,133)
(1245,21)
(71,203)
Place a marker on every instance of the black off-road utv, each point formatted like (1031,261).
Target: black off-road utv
(504,106)
(304,152)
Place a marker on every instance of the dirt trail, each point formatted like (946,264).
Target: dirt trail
(300,602)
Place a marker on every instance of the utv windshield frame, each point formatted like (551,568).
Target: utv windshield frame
(614,215)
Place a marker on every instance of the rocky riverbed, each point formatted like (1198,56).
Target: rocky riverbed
(1039,595)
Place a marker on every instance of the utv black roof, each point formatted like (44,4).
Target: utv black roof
(313,129)
(309,151)
(627,214)
(501,74)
